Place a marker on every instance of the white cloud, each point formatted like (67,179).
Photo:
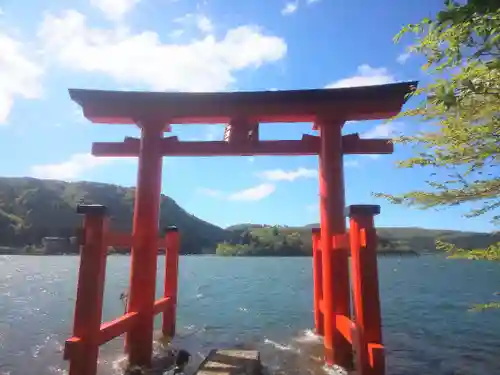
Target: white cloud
(403,57)
(73,168)
(210,192)
(19,76)
(366,76)
(386,130)
(255,193)
(290,8)
(312,1)
(281,175)
(176,33)
(114,9)
(202,22)
(206,64)
(251,159)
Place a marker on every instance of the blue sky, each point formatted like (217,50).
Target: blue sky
(208,45)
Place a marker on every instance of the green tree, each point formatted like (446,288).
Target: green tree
(462,108)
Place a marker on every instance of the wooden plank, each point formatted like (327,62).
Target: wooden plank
(231,362)
(352,103)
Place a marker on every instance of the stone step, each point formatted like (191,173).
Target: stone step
(231,362)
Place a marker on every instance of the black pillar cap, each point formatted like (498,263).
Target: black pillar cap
(362,210)
(91,209)
(171,228)
(316,230)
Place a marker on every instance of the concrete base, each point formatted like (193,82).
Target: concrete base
(231,362)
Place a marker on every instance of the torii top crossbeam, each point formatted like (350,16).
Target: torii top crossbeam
(243,111)
(354,103)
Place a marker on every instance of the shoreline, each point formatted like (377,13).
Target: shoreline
(404,253)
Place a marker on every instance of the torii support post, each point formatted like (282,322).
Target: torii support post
(363,241)
(145,250)
(90,290)
(318,282)
(171,280)
(334,253)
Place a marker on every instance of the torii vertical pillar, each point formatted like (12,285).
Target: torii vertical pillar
(145,248)
(336,291)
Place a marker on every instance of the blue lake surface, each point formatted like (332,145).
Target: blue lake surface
(263,303)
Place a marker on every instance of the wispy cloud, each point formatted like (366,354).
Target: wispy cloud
(365,76)
(385,130)
(255,193)
(290,8)
(20,76)
(200,21)
(292,175)
(73,168)
(210,192)
(114,9)
(402,58)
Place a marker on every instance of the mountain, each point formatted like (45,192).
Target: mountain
(31,209)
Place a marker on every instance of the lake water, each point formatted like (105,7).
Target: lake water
(263,303)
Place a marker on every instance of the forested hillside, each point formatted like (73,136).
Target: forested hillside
(31,209)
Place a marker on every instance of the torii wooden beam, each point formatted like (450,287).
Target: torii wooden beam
(309,145)
(348,104)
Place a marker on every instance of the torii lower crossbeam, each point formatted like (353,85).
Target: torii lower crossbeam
(309,145)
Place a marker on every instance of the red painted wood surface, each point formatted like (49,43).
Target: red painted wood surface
(145,250)
(117,327)
(355,103)
(89,295)
(317,282)
(171,281)
(308,146)
(363,241)
(162,304)
(336,290)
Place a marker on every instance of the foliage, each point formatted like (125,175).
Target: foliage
(31,209)
(492,252)
(261,240)
(265,241)
(462,106)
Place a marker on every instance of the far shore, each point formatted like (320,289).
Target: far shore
(4,250)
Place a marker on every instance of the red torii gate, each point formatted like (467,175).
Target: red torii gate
(328,110)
